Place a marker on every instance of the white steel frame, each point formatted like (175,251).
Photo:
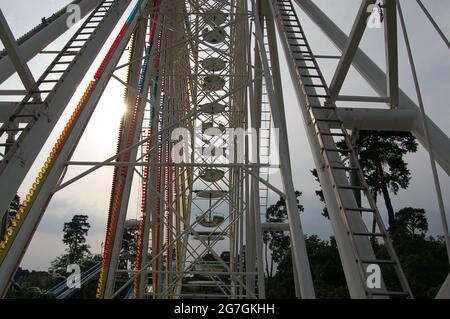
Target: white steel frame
(252,65)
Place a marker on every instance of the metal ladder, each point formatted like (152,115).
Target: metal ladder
(22,39)
(32,105)
(264,150)
(264,140)
(302,58)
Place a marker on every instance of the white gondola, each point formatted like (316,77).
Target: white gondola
(211,193)
(212,175)
(208,267)
(214,64)
(214,36)
(213,108)
(213,83)
(208,236)
(208,125)
(214,17)
(210,221)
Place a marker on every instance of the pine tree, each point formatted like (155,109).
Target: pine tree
(75,233)
(381,156)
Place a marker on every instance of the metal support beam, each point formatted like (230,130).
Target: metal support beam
(379,119)
(435,25)
(6,109)
(275,226)
(367,99)
(44,35)
(276,75)
(355,284)
(350,48)
(133,130)
(300,255)
(377,79)
(20,159)
(444,292)
(30,221)
(12,48)
(253,232)
(390,31)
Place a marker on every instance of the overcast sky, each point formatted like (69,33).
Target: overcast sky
(91,195)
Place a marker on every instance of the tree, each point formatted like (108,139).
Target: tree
(381,158)
(128,251)
(320,194)
(75,233)
(411,221)
(423,258)
(327,273)
(326,268)
(277,241)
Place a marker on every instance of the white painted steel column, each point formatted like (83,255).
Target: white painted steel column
(15,167)
(31,47)
(135,74)
(355,284)
(297,237)
(36,211)
(377,79)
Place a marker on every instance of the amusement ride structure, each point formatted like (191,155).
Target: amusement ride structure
(201,75)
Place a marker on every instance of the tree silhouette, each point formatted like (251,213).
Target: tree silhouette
(381,158)
(128,251)
(320,193)
(411,221)
(75,233)
(277,241)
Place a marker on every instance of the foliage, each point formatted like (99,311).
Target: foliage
(35,284)
(424,262)
(277,241)
(30,285)
(423,259)
(75,233)
(326,269)
(319,193)
(381,158)
(128,250)
(411,221)
(328,275)
(77,252)
(88,291)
